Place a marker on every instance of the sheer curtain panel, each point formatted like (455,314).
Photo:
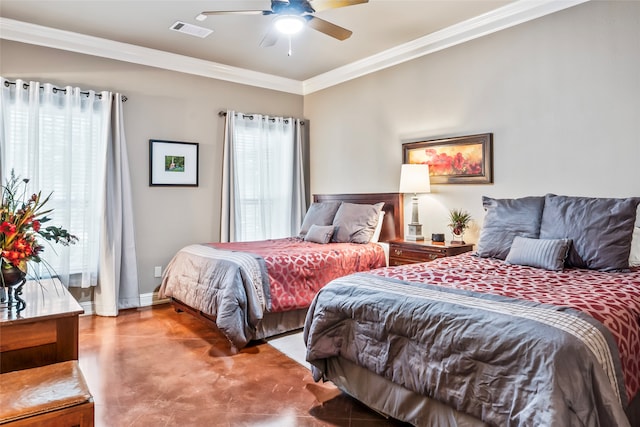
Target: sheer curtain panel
(57,139)
(263,194)
(60,138)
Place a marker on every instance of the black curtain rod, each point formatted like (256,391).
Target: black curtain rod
(7,83)
(250,117)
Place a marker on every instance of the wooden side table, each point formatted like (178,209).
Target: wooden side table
(408,252)
(45,332)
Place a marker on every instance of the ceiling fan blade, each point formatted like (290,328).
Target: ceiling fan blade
(320,5)
(270,38)
(328,28)
(235,12)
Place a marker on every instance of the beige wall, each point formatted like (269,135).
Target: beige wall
(161,105)
(560,94)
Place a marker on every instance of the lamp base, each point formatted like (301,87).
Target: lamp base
(414,232)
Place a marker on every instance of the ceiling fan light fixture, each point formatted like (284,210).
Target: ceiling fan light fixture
(289,24)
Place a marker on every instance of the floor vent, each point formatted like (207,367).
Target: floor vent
(192,30)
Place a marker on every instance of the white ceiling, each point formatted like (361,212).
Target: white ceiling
(384,32)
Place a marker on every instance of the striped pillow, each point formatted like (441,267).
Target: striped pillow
(540,253)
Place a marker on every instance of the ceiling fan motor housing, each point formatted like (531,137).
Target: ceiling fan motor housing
(292,7)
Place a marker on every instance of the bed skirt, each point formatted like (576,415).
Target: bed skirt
(280,323)
(270,325)
(396,401)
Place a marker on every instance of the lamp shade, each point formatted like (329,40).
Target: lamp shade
(414,179)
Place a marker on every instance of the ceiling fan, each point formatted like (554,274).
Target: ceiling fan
(292,15)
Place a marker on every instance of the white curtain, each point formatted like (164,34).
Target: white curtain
(118,279)
(56,139)
(60,139)
(263,195)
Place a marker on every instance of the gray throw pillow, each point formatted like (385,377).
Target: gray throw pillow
(319,213)
(540,253)
(600,229)
(355,223)
(506,219)
(319,234)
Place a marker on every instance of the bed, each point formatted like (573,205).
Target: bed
(254,290)
(539,326)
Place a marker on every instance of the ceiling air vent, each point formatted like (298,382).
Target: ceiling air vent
(192,30)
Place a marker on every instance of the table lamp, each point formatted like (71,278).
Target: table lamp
(414,178)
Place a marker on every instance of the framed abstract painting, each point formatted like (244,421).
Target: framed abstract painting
(173,163)
(456,160)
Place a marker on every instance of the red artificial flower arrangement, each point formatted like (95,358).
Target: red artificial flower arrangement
(21,225)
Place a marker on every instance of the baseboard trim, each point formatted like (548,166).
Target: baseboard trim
(151,298)
(146,300)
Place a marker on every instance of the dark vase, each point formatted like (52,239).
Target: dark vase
(12,276)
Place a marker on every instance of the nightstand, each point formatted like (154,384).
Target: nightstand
(409,252)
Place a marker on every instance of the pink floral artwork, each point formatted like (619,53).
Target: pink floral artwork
(457,160)
(450,159)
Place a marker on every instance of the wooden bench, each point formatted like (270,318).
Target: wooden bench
(52,395)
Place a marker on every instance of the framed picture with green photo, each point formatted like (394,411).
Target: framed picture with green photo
(173,163)
(456,160)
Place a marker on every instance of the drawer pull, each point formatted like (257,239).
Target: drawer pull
(397,251)
(433,256)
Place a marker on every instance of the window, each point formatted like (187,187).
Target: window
(57,139)
(263,177)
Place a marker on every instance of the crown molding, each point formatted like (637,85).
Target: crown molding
(505,17)
(74,42)
(499,19)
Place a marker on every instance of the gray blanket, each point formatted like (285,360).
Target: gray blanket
(506,362)
(232,287)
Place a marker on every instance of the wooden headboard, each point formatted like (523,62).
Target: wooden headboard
(393,225)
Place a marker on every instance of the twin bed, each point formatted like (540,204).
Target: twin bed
(540,326)
(254,290)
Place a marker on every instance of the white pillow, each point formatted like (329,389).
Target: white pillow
(634,255)
(378,230)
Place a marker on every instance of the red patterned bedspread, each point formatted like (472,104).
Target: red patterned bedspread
(298,269)
(611,298)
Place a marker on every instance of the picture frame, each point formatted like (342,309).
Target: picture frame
(455,160)
(173,163)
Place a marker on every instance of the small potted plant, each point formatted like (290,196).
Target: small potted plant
(458,222)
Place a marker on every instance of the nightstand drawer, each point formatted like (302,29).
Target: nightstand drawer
(408,252)
(399,255)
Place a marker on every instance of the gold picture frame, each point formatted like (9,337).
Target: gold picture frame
(456,160)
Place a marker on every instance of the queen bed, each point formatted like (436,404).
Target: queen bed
(254,290)
(540,326)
